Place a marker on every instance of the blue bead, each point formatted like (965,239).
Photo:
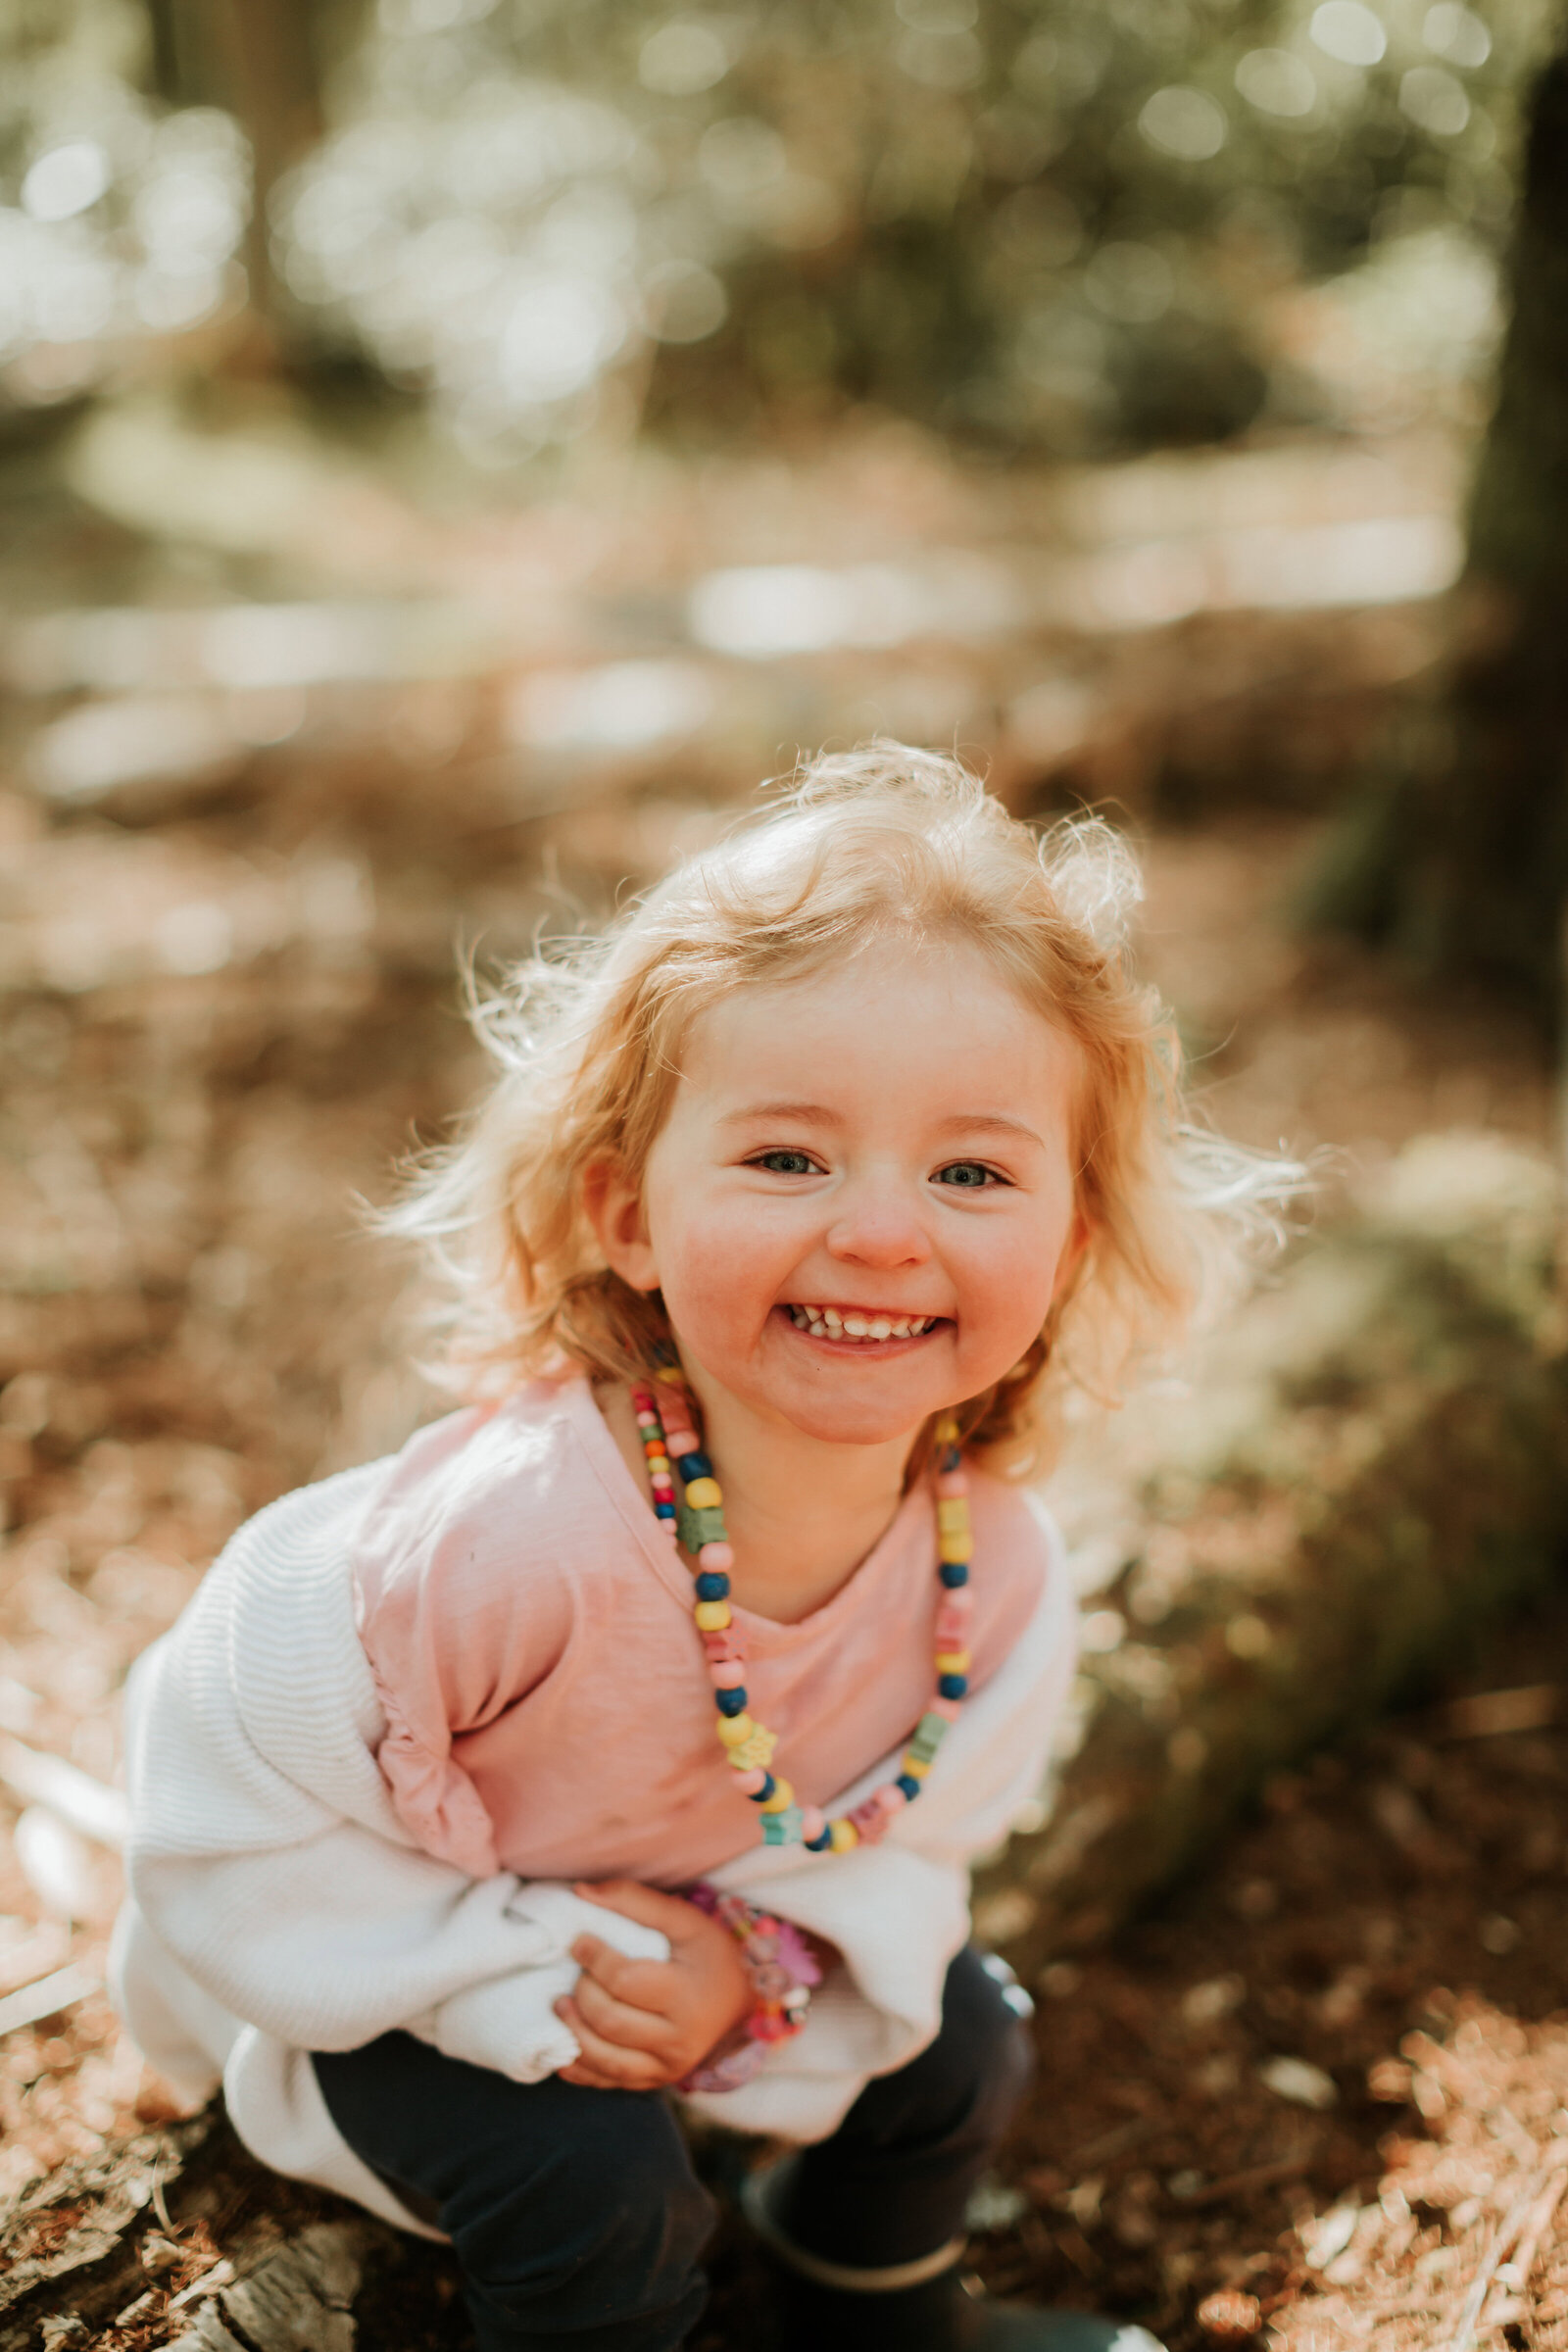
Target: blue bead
(951,1459)
(909,1784)
(821,1845)
(954,1573)
(952,1686)
(693,1466)
(731,1702)
(663,1510)
(710,1586)
(764,1792)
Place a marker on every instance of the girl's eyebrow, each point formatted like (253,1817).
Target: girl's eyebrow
(964,1123)
(992,1123)
(816,1112)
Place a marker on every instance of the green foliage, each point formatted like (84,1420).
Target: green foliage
(1049,225)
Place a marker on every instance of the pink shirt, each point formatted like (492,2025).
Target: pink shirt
(529,1626)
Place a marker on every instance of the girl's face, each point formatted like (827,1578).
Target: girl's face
(863,1199)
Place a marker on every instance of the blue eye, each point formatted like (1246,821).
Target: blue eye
(968,1175)
(786,1163)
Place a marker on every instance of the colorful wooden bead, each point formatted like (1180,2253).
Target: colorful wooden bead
(953,1574)
(845,1835)
(730,1700)
(704,1495)
(735,1730)
(712,1615)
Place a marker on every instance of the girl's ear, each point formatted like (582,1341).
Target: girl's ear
(614,1210)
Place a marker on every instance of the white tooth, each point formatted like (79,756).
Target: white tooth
(919,1326)
(881,1329)
(856,1326)
(900,1327)
(820,1331)
(832,1318)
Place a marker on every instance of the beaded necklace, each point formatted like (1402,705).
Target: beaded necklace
(699,1523)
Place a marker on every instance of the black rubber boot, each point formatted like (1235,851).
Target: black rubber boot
(918,2307)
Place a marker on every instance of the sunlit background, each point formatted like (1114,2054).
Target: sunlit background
(451,450)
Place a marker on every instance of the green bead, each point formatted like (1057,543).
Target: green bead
(929,1734)
(697,1528)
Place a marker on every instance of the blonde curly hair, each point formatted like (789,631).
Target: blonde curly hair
(881,843)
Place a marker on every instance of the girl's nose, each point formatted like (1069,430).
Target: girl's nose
(881,1232)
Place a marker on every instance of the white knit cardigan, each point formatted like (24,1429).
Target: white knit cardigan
(278,1905)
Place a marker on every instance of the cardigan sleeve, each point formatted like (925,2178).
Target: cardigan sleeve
(266,1854)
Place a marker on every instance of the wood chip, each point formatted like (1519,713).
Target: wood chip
(98,1811)
(46,1996)
(1486,1714)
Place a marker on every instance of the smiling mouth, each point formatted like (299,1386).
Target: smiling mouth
(862,1327)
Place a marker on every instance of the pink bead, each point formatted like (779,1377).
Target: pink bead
(813,1821)
(950,1708)
(681,1440)
(752,1783)
(892,1800)
(722,1646)
(871,1820)
(951,1485)
(718,1559)
(727,1674)
(952,1624)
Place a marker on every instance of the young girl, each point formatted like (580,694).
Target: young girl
(633,1730)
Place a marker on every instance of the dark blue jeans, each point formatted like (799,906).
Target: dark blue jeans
(578,2219)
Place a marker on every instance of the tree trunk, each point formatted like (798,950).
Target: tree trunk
(1462,861)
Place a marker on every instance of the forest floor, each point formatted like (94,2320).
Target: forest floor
(226,1003)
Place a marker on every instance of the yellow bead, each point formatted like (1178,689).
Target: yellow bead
(704,1495)
(952,1514)
(711,1616)
(916,1766)
(783,1795)
(734,1729)
(843,1835)
(755,1751)
(669,1373)
(957,1546)
(947,1430)
(953,1661)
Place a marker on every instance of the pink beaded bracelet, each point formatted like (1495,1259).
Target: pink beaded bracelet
(783,1971)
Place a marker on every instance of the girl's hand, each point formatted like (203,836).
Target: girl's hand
(642,2024)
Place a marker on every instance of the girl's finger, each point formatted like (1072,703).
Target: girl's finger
(626,2070)
(645,1983)
(620,2022)
(669,1913)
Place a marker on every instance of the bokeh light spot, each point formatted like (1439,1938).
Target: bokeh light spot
(1184,123)
(1277,82)
(1457,33)
(683,302)
(1345,30)
(683,57)
(1430,96)
(1130,282)
(66,181)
